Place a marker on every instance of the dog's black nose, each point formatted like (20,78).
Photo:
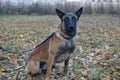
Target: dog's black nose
(71,28)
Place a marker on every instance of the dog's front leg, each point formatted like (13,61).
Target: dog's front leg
(66,63)
(49,65)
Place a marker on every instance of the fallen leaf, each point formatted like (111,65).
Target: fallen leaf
(118,67)
(107,56)
(107,78)
(3,70)
(13,57)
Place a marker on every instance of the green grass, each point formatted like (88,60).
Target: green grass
(97,53)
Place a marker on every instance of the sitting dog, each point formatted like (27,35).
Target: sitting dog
(57,47)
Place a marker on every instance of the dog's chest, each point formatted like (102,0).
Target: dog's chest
(64,51)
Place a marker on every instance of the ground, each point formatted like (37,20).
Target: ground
(97,53)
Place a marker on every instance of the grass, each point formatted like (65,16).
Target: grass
(97,54)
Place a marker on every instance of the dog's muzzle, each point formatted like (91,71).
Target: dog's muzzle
(71,31)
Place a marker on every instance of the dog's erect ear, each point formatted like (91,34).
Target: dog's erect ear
(79,12)
(60,13)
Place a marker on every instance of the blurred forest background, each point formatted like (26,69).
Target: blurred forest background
(40,7)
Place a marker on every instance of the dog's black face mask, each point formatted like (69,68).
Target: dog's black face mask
(70,21)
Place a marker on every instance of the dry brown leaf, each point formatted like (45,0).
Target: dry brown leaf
(107,78)
(118,67)
(107,56)
(13,57)
(3,70)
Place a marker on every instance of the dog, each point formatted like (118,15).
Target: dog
(57,47)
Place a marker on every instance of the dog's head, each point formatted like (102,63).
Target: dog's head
(69,21)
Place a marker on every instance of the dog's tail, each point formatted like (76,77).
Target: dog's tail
(9,51)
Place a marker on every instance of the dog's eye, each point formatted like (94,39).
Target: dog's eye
(73,18)
(66,19)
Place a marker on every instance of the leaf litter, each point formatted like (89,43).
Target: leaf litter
(97,54)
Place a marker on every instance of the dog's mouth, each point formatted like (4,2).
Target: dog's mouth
(71,33)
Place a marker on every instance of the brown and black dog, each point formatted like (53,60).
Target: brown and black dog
(57,47)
